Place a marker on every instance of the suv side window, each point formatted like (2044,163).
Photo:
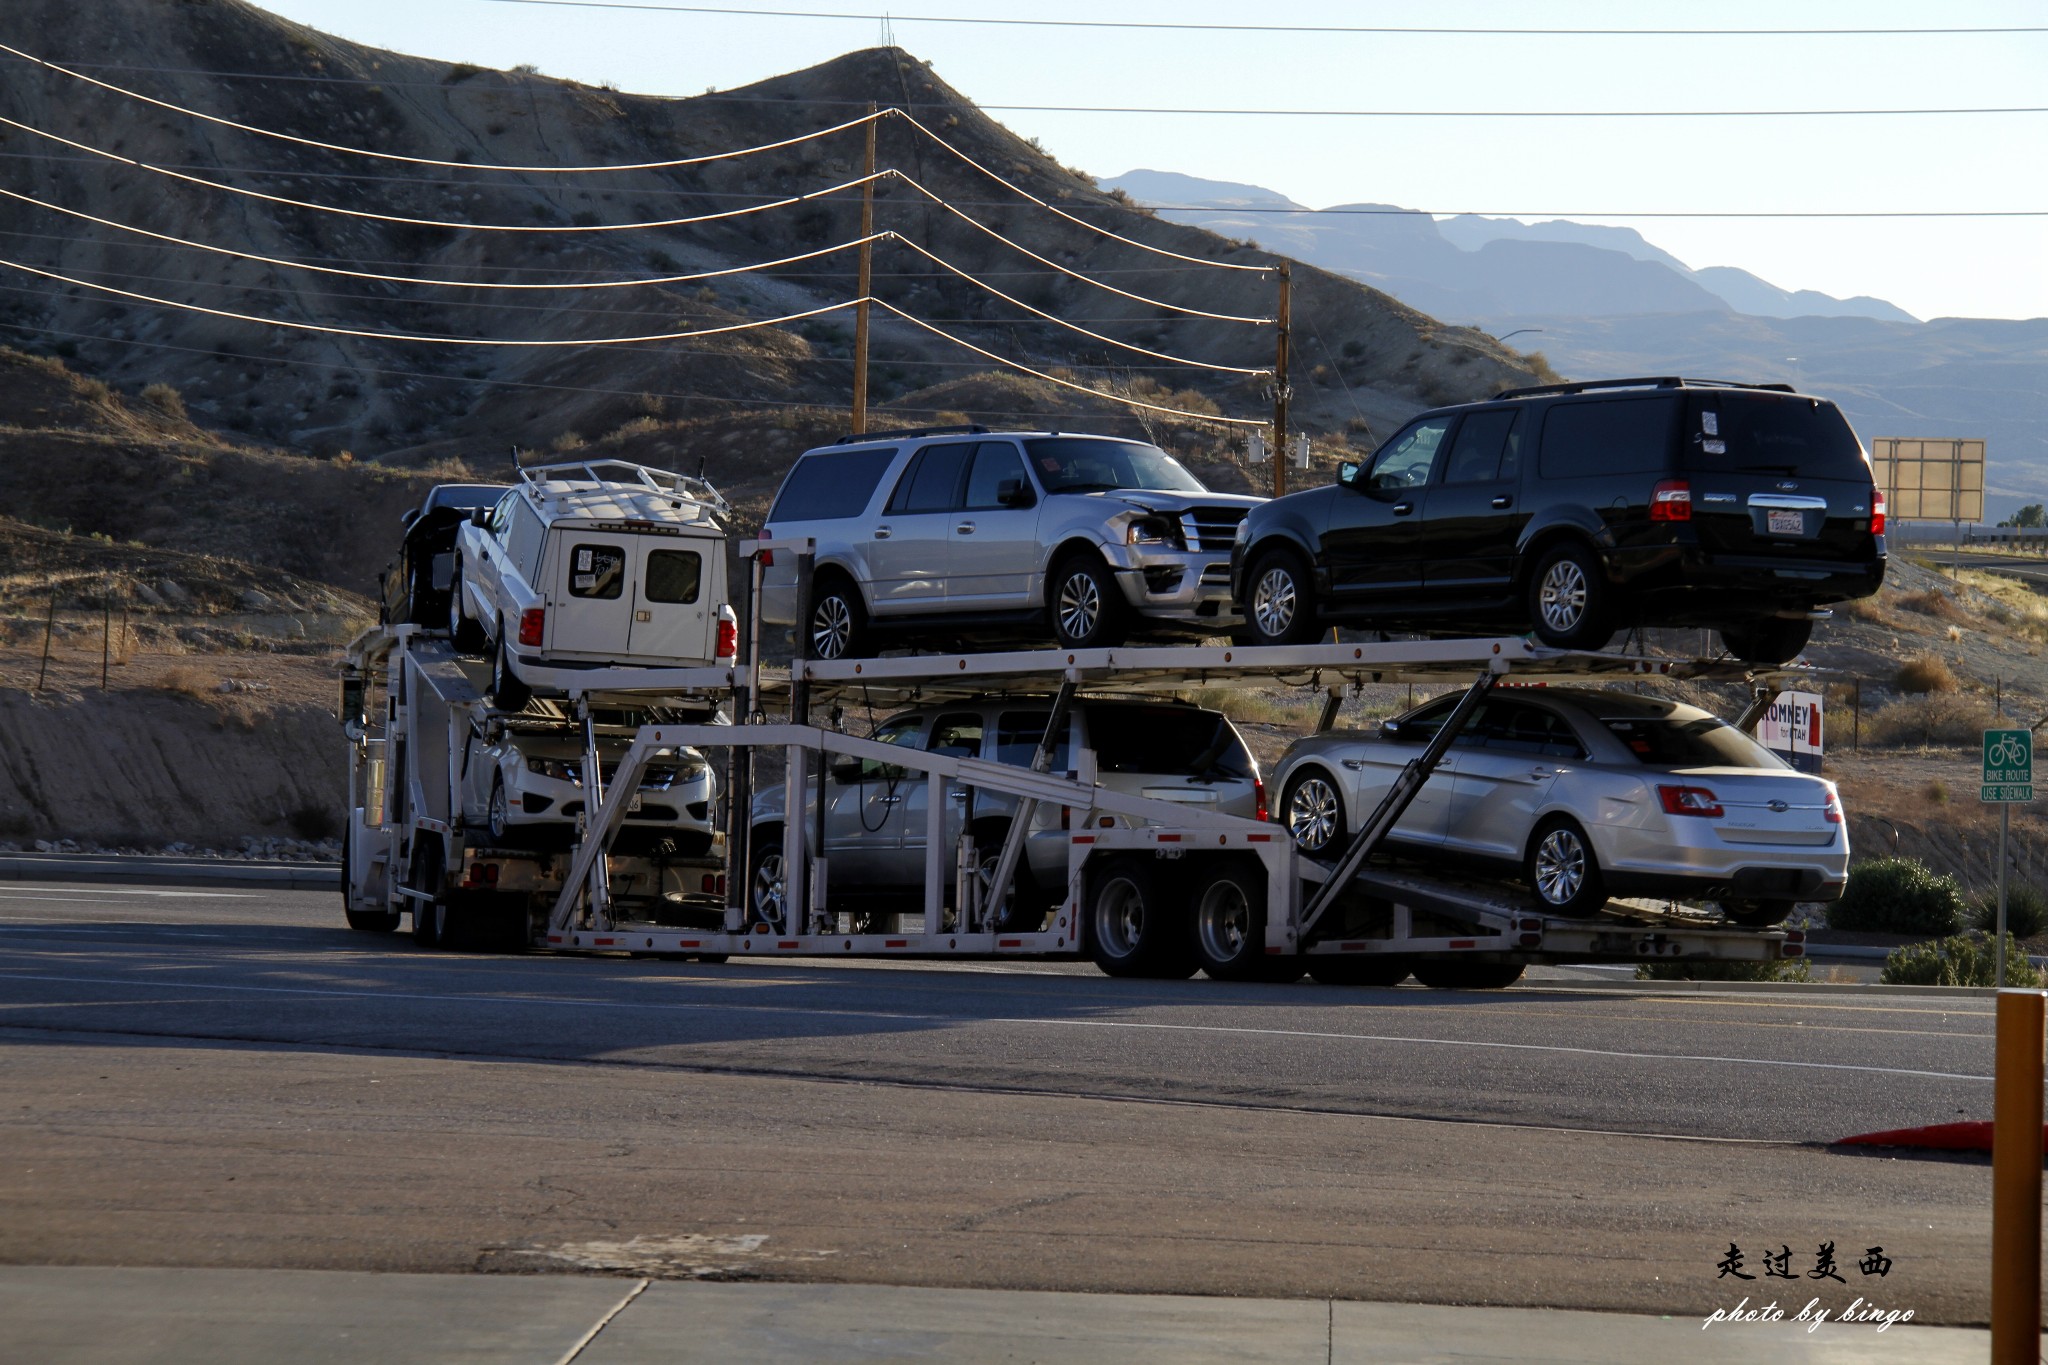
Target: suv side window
(831,485)
(995,464)
(931,482)
(957,735)
(1484,450)
(1017,737)
(1615,436)
(1406,461)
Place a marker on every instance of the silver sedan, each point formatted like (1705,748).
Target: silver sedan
(1585,794)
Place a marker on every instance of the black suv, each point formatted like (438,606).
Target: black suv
(1578,509)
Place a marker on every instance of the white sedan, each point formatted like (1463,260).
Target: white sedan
(1585,794)
(526,791)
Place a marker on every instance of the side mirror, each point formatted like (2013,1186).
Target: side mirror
(1348,472)
(1390,727)
(479,516)
(1014,493)
(408,517)
(846,771)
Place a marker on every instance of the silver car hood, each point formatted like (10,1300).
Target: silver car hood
(1148,500)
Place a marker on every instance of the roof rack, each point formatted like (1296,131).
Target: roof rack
(858,437)
(666,482)
(1665,382)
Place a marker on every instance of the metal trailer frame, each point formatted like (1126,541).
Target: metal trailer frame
(1406,916)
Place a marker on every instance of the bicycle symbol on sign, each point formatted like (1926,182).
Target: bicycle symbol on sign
(2010,751)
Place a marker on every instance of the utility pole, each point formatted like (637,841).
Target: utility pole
(1282,324)
(867,276)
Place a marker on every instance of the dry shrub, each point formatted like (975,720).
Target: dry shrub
(1865,609)
(1933,602)
(1938,718)
(1926,673)
(192,682)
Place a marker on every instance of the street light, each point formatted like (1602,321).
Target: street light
(1517,332)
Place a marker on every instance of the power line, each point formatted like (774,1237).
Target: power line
(432,161)
(1155,26)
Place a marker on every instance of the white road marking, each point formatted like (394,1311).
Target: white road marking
(559,1002)
(53,892)
(1505,1047)
(26,924)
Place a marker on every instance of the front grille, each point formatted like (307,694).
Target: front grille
(1211,528)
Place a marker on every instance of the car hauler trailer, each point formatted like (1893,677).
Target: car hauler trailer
(1153,887)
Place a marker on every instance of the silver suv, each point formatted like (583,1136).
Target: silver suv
(875,813)
(1085,539)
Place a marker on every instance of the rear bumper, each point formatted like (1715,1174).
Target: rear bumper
(1687,585)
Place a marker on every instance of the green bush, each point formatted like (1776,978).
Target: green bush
(1898,896)
(1965,960)
(1713,969)
(2026,911)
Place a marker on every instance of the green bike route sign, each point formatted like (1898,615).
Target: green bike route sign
(2008,766)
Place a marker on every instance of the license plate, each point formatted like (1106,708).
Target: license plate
(1787,523)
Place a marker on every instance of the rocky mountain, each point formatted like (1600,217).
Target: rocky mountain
(744,400)
(1603,301)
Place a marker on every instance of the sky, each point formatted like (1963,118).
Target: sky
(1620,160)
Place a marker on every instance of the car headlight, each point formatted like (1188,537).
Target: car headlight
(1152,531)
(1244,529)
(561,769)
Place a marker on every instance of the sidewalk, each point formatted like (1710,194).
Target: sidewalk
(115,1316)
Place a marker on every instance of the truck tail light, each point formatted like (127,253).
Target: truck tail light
(1671,500)
(1877,511)
(532,622)
(767,556)
(1259,811)
(728,635)
(1690,801)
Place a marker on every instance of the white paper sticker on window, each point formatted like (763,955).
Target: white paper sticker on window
(1714,447)
(584,582)
(583,564)
(1710,423)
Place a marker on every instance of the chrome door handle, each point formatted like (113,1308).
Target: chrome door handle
(1502,502)
(881,533)
(1402,509)
(965,528)
(1540,773)
(958,796)
(888,800)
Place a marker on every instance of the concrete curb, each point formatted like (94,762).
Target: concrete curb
(1832,990)
(115,867)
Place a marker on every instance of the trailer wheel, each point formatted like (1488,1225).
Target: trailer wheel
(765,881)
(1467,975)
(1131,930)
(1023,910)
(1229,912)
(1757,914)
(507,692)
(1377,969)
(1561,868)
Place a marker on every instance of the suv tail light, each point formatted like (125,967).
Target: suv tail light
(1690,801)
(1877,511)
(1259,811)
(1671,500)
(532,622)
(728,635)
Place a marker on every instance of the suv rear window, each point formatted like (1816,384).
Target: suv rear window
(1766,433)
(1168,741)
(1614,436)
(831,485)
(1702,742)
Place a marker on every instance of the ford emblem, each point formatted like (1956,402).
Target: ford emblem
(1780,807)
(1787,487)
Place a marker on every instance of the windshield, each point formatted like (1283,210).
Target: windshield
(1067,465)
(1702,742)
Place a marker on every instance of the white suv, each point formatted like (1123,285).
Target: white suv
(1080,539)
(593,565)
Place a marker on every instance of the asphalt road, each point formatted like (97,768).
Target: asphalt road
(235,1079)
